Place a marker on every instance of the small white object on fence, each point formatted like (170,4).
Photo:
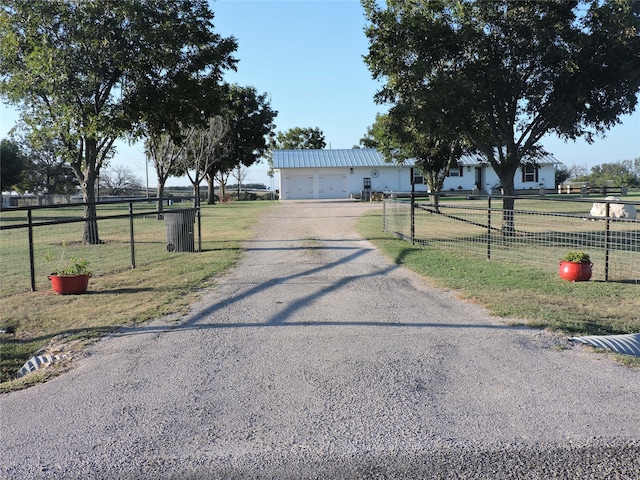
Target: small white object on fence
(616,210)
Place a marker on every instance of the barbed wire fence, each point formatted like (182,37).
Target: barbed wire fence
(537,233)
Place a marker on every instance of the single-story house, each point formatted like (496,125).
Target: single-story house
(335,174)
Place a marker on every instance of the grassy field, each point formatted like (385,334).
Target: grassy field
(544,231)
(43,321)
(112,256)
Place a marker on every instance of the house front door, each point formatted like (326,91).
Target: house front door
(479,182)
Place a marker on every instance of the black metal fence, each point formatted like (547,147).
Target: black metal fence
(538,232)
(34,239)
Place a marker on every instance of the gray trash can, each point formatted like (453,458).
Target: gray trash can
(180,227)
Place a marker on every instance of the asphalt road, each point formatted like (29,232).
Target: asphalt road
(317,357)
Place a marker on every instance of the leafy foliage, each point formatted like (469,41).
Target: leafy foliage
(12,164)
(298,138)
(73,266)
(87,73)
(580,257)
(250,120)
(404,134)
(562,174)
(46,172)
(509,73)
(625,173)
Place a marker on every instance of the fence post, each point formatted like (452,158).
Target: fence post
(489,227)
(607,240)
(384,215)
(413,209)
(32,267)
(199,229)
(131,236)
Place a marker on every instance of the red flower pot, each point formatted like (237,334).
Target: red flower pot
(69,284)
(575,271)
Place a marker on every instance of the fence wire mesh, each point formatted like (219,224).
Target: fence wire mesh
(537,233)
(62,241)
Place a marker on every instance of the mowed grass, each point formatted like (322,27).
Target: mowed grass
(524,294)
(45,322)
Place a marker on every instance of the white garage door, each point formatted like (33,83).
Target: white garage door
(298,187)
(332,186)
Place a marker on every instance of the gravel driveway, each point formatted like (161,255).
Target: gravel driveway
(319,358)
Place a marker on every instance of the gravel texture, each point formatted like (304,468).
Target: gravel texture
(317,357)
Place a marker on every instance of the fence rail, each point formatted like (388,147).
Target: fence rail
(538,232)
(132,232)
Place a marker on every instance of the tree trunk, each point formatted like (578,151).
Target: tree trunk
(196,195)
(435,201)
(434,183)
(211,196)
(508,204)
(160,199)
(90,231)
(222,192)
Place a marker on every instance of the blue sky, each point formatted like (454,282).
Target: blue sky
(307,55)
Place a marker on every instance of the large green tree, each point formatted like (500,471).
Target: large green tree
(90,72)
(509,73)
(403,134)
(47,171)
(250,119)
(13,163)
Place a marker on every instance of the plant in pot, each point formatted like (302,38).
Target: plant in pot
(576,267)
(70,277)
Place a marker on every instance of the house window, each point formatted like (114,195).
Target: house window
(530,173)
(456,172)
(418,179)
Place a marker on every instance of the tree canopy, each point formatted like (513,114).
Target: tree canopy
(12,164)
(626,172)
(297,138)
(47,172)
(403,134)
(250,119)
(507,73)
(90,72)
